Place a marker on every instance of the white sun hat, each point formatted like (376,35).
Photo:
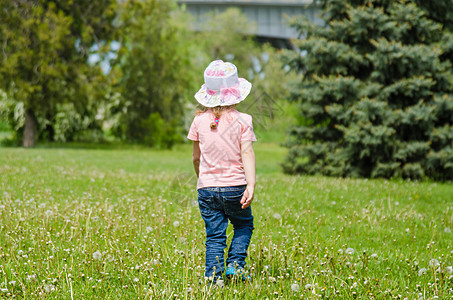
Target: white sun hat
(222,85)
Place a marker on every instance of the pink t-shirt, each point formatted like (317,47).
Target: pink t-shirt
(220,161)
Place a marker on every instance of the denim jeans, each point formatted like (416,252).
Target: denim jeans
(217,206)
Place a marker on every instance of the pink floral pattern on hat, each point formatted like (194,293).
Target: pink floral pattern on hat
(222,85)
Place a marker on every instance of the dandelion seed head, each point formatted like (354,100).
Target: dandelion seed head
(48,213)
(434,263)
(97,255)
(349,251)
(449,269)
(176,224)
(447,230)
(295,287)
(277,216)
(340,251)
(308,286)
(422,271)
(220,283)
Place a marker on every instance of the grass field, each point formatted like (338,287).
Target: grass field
(124,224)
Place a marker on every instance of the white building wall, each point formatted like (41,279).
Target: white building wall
(270,16)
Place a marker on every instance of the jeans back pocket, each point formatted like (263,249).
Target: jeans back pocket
(232,204)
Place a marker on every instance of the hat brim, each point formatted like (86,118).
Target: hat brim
(207,100)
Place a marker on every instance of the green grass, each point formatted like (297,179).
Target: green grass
(137,207)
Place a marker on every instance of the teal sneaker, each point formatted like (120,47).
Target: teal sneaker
(231,272)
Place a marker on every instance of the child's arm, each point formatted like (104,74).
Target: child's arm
(196,157)
(248,160)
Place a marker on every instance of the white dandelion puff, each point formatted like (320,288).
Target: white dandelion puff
(447,230)
(449,269)
(176,224)
(97,255)
(277,216)
(340,251)
(434,263)
(219,283)
(48,213)
(295,287)
(349,251)
(308,286)
(42,205)
(422,271)
(149,229)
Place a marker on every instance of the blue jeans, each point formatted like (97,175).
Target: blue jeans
(217,206)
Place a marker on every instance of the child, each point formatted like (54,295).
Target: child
(224,162)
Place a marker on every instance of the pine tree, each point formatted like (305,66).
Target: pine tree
(376,98)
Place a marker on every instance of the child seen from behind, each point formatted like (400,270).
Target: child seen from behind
(224,162)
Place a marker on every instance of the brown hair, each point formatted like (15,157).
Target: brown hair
(217,111)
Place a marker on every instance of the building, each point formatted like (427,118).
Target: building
(270,16)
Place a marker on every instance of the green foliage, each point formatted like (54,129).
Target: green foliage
(160,133)
(45,47)
(377,91)
(154,71)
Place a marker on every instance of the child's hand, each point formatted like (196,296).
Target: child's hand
(248,197)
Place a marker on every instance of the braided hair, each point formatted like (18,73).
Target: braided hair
(217,111)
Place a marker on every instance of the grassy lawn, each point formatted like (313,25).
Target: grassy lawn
(124,223)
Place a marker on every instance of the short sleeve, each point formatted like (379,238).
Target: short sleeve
(247,133)
(193,132)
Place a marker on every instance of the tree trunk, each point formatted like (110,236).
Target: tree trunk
(31,125)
